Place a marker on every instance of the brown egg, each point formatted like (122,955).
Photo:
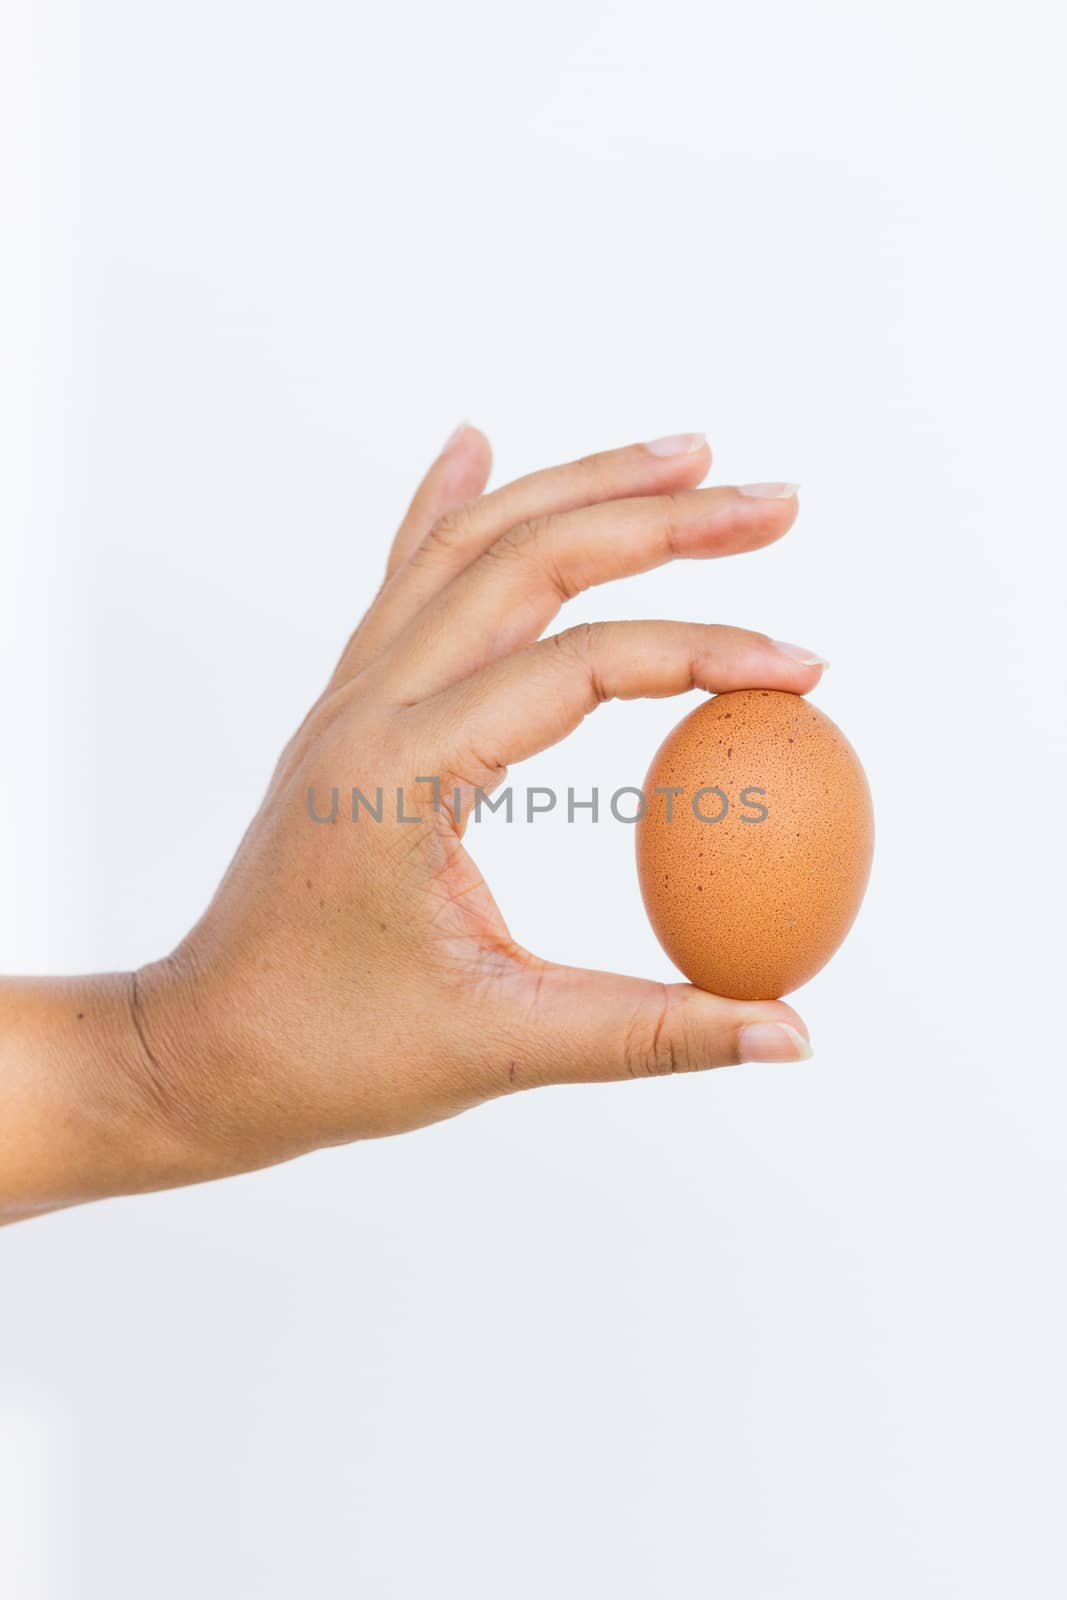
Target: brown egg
(753,872)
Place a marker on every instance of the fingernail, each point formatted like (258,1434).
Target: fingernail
(677,444)
(771,1041)
(768,491)
(801,653)
(454,435)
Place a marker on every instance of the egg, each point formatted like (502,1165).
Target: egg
(755,844)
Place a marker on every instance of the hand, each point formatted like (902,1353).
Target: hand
(350,978)
(357,979)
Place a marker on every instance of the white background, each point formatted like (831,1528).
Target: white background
(754,1335)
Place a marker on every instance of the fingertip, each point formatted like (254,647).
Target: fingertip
(718,520)
(696,467)
(805,667)
(781,1011)
(476,441)
(768,491)
(458,473)
(677,446)
(462,469)
(772,1041)
(467,440)
(800,654)
(732,659)
(454,437)
(727,1032)
(681,461)
(482,452)
(773,515)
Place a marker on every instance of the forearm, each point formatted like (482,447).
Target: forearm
(81,1116)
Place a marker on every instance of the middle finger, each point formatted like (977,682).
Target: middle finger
(510,594)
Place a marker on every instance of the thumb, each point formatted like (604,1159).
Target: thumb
(593,1027)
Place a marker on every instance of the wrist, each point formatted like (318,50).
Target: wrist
(205,1069)
(183,1067)
(81,1116)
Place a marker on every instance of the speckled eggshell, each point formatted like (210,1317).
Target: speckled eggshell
(753,908)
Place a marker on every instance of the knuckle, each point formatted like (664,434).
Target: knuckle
(530,540)
(517,544)
(581,644)
(656,1040)
(448,539)
(595,470)
(536,544)
(670,510)
(578,641)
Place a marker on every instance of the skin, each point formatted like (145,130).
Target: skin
(350,981)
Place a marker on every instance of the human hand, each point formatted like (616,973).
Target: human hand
(352,980)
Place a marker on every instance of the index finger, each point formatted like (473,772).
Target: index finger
(528,701)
